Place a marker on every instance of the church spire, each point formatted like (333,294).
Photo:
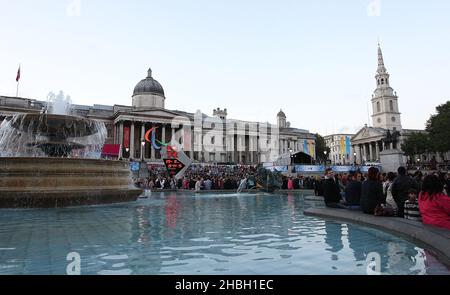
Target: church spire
(386,113)
(382,76)
(381,67)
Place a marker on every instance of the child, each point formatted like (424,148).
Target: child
(412,207)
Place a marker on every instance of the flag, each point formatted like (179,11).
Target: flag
(18,75)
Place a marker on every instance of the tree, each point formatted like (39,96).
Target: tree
(416,144)
(438,127)
(321,147)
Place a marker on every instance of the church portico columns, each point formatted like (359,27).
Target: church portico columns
(371,156)
(377,151)
(366,152)
(359,154)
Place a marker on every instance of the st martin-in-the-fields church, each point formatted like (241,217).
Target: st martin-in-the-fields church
(387,133)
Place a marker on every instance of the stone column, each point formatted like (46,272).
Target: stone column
(358,154)
(361,154)
(152,150)
(163,135)
(132,151)
(191,152)
(116,135)
(121,139)
(251,148)
(173,139)
(371,151)
(232,149)
(239,149)
(377,150)
(142,148)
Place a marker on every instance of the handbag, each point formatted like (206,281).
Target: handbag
(381,210)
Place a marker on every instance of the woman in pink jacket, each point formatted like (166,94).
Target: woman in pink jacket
(434,205)
(290,184)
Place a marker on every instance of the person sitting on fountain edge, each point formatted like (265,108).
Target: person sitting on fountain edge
(331,191)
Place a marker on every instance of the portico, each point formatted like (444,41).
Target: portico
(367,144)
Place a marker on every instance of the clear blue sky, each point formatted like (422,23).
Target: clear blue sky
(314,59)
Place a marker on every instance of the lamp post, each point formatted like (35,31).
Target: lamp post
(142,157)
(326,157)
(127,150)
(354,157)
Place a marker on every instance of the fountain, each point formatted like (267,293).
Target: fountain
(267,180)
(52,159)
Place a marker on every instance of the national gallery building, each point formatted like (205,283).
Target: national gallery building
(140,129)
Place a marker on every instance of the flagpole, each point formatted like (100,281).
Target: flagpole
(18,81)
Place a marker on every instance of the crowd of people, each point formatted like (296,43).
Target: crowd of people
(419,197)
(416,197)
(202,177)
(215,177)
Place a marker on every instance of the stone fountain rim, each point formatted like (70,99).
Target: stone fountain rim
(61,159)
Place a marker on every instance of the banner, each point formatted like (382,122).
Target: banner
(281,169)
(348,145)
(342,147)
(134,166)
(187,139)
(173,166)
(343,169)
(309,168)
(126,137)
(312,150)
(365,169)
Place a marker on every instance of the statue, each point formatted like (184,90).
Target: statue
(267,180)
(391,138)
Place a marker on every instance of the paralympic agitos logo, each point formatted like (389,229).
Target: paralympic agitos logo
(157,144)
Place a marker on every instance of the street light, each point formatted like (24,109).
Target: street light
(142,157)
(290,154)
(326,157)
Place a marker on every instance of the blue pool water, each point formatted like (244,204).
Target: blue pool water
(214,234)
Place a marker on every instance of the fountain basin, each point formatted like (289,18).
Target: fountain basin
(62,182)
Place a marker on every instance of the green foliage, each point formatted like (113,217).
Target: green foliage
(321,147)
(417,144)
(438,127)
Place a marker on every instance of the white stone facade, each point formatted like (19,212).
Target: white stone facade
(205,139)
(341,150)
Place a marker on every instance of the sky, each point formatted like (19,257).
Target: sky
(316,60)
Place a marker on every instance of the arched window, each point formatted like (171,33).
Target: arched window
(391,105)
(378,107)
(382,81)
